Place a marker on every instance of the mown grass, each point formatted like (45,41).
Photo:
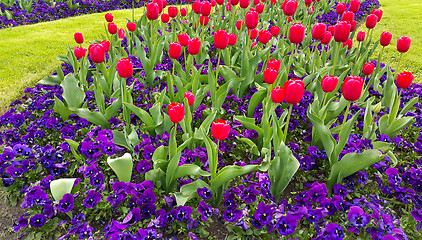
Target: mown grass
(401,18)
(28,53)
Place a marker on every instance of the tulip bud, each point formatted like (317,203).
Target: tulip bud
(234,2)
(176,112)
(348,43)
(220,129)
(353,25)
(204,20)
(106,45)
(253,45)
(290,7)
(239,24)
(220,2)
(270,75)
(275,31)
(318,31)
(331,30)
(296,33)
(404,79)
(368,68)
(196,7)
(79,38)
(354,6)
(173,11)
(232,39)
(377,12)
(347,16)
(131,26)
(96,53)
(79,52)
(352,88)
(293,90)
(371,21)
(253,33)
(256,2)
(341,31)
(153,11)
(206,8)
(403,44)
(175,50)
(213,3)
(194,45)
(122,33)
(385,39)
(329,83)
(277,95)
(260,8)
(273,2)
(289,19)
(311,10)
(244,3)
(274,64)
(124,68)
(183,12)
(340,8)
(327,38)
(109,17)
(165,18)
(221,39)
(190,97)
(183,39)
(377,107)
(264,36)
(308,3)
(112,28)
(251,19)
(360,36)
(228,7)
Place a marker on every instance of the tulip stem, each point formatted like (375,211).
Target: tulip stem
(214,173)
(217,67)
(325,99)
(335,58)
(346,113)
(286,126)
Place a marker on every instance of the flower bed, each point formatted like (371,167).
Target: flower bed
(105,148)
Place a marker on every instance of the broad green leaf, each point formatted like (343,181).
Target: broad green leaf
(230,172)
(253,148)
(93,117)
(324,134)
(73,95)
(256,99)
(122,166)
(113,109)
(189,169)
(120,139)
(344,134)
(189,191)
(61,186)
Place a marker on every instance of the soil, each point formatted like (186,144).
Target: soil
(218,230)
(8,216)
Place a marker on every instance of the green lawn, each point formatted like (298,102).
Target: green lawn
(28,53)
(402,18)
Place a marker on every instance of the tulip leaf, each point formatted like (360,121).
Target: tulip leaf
(73,95)
(92,117)
(157,176)
(249,123)
(189,169)
(343,137)
(189,191)
(409,105)
(120,139)
(397,125)
(113,109)
(228,173)
(61,186)
(61,109)
(171,168)
(253,148)
(50,80)
(256,99)
(122,166)
(367,119)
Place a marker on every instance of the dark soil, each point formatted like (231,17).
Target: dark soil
(8,216)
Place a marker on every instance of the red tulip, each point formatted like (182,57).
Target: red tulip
(274,64)
(220,2)
(122,33)
(353,25)
(175,50)
(173,11)
(294,89)
(277,95)
(79,52)
(327,38)
(341,31)
(360,36)
(288,19)
(403,44)
(164,3)
(329,83)
(79,38)
(348,43)
(165,18)
(232,39)
(275,31)
(228,7)
(273,2)
(270,75)
(109,17)
(377,12)
(264,36)
(221,39)
(331,29)
(124,68)
(196,6)
(308,3)
(153,11)
(311,10)
(106,45)
(112,28)
(244,3)
(220,129)
(131,26)
(234,2)
(385,39)
(296,33)
(354,6)
(239,24)
(318,31)
(204,20)
(251,19)
(368,68)
(176,112)
(253,33)
(183,39)
(347,16)
(206,8)
(183,12)
(260,8)
(190,97)
(341,7)
(404,79)
(256,2)
(194,45)
(253,45)
(97,53)
(352,88)
(290,7)
(213,3)
(371,21)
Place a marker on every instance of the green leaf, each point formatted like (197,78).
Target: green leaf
(157,176)
(122,166)
(61,186)
(344,134)
(189,169)
(142,114)
(256,99)
(73,95)
(230,172)
(409,105)
(252,145)
(249,123)
(189,191)
(92,117)
(397,125)
(61,109)
(50,81)
(120,139)
(113,109)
